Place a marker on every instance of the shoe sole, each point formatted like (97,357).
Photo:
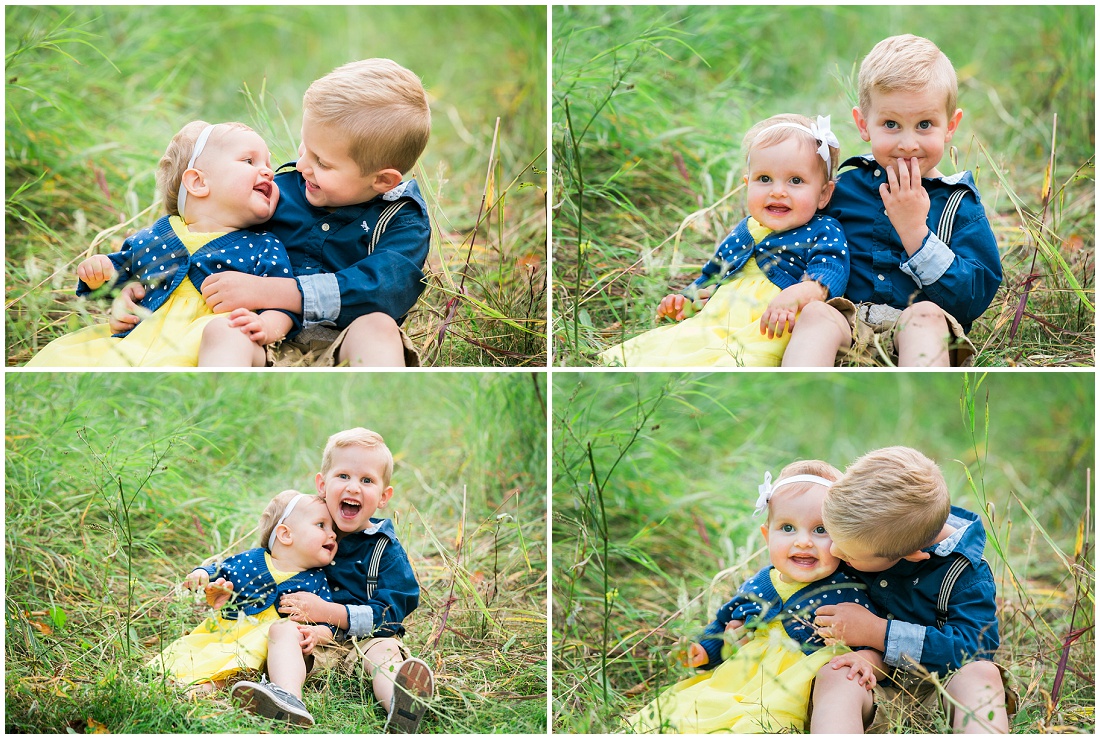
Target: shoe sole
(413,686)
(269,706)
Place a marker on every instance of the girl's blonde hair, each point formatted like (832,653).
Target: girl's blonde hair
(907,63)
(803,467)
(893,501)
(273,512)
(358,436)
(173,164)
(379,107)
(755,139)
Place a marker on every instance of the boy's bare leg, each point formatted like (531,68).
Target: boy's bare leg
(286,667)
(225,346)
(818,335)
(382,661)
(373,340)
(923,336)
(980,693)
(841,706)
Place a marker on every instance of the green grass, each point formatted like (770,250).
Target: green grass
(656,475)
(650,104)
(117,484)
(93,95)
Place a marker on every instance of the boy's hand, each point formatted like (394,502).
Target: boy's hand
(311,636)
(124,310)
(95,270)
(851,624)
(906,202)
(301,607)
(783,309)
(677,307)
(228,291)
(859,669)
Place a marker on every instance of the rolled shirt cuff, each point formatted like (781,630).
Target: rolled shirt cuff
(930,262)
(360,621)
(320,298)
(903,639)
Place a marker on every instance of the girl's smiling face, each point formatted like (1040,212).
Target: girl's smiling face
(314,538)
(786,184)
(798,545)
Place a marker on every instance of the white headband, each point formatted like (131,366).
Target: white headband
(767,489)
(821,133)
(200,143)
(282,518)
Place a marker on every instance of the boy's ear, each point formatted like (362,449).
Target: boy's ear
(385,180)
(319,482)
(386,495)
(953,124)
(861,123)
(917,557)
(195,183)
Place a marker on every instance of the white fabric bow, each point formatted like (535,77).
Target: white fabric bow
(823,133)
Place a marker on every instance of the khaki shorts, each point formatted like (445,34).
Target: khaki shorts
(874,331)
(318,346)
(914,701)
(346,655)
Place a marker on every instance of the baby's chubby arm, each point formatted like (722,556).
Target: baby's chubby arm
(229,291)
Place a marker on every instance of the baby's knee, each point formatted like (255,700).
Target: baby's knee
(283,631)
(817,314)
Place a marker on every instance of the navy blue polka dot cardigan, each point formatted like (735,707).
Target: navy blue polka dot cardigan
(756,603)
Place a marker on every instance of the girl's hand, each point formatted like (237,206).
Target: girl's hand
(199,578)
(250,324)
(311,636)
(301,606)
(694,656)
(124,311)
(780,315)
(858,668)
(677,307)
(95,271)
(218,593)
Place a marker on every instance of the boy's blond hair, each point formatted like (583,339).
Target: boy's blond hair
(274,511)
(754,139)
(358,436)
(894,501)
(907,63)
(381,109)
(803,467)
(173,164)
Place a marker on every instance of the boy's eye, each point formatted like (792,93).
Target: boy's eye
(366,481)
(344,476)
(924,125)
(890,124)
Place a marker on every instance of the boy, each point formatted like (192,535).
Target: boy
(924,261)
(373,590)
(356,233)
(891,520)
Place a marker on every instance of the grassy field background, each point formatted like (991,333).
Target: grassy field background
(650,104)
(94,94)
(118,484)
(656,475)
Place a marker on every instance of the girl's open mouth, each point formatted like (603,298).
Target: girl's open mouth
(804,560)
(265,188)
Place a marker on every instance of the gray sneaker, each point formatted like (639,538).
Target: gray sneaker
(268,699)
(414,686)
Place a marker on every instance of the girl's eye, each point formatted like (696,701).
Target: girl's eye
(796,180)
(820,530)
(924,125)
(248,160)
(787,528)
(764,178)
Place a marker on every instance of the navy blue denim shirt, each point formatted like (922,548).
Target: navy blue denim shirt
(254,589)
(372,577)
(907,593)
(816,251)
(357,259)
(962,278)
(157,258)
(756,603)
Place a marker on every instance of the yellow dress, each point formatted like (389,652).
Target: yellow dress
(725,333)
(169,337)
(219,648)
(762,689)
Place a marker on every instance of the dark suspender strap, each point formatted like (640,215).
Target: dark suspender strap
(947,218)
(375,565)
(954,572)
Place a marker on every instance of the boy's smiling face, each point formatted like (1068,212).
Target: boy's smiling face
(904,125)
(333,178)
(859,557)
(353,487)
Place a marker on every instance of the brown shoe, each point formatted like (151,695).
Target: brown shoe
(413,687)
